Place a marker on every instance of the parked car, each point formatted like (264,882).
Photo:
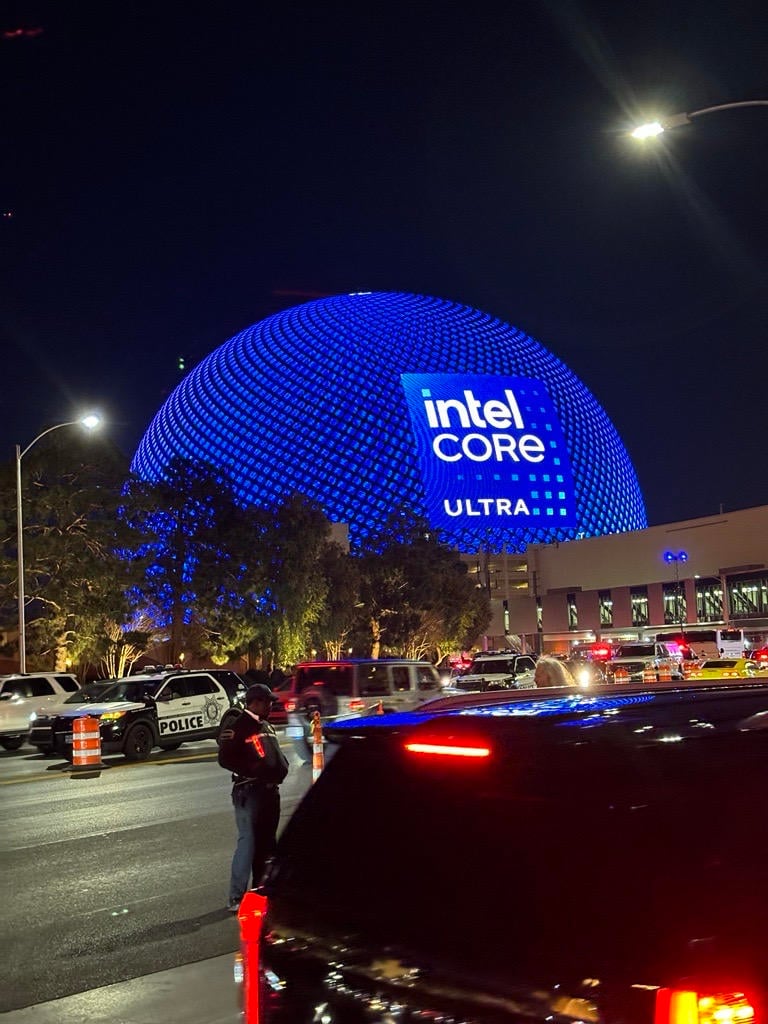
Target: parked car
(727,668)
(22,694)
(635,657)
(520,858)
(355,686)
(141,712)
(586,671)
(498,670)
(91,693)
(284,701)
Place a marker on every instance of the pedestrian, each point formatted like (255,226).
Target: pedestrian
(251,751)
(551,672)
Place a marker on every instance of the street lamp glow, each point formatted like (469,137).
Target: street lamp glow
(90,422)
(647,131)
(651,129)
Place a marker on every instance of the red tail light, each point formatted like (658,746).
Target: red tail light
(355,704)
(290,706)
(682,1006)
(448,749)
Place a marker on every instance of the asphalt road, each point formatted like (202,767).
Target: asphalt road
(116,876)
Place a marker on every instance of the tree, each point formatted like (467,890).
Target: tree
(336,621)
(417,596)
(74,578)
(193,536)
(294,546)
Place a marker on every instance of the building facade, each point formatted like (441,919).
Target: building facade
(712,571)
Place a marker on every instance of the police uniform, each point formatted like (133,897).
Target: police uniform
(259,765)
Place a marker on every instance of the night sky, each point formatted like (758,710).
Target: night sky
(173,173)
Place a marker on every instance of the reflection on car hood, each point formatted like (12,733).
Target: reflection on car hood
(79,710)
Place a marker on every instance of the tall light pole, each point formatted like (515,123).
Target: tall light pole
(90,423)
(676,557)
(653,128)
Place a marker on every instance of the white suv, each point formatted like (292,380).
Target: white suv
(636,657)
(20,695)
(498,670)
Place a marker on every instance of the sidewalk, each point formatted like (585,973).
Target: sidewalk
(199,993)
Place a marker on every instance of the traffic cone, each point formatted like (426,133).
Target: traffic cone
(318,757)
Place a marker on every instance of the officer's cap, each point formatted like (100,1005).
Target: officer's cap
(258,692)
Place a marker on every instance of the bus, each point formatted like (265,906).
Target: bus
(706,642)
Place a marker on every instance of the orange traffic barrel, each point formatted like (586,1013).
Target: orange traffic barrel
(86,743)
(649,675)
(621,675)
(665,674)
(688,667)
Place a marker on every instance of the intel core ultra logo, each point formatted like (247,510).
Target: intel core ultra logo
(489,448)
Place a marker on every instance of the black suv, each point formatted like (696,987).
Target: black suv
(591,857)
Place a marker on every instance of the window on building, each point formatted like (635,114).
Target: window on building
(606,607)
(709,600)
(639,599)
(573,612)
(674,604)
(748,597)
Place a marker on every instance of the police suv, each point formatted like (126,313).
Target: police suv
(141,712)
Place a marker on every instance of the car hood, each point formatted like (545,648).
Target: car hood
(96,709)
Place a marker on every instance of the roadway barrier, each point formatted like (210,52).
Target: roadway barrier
(621,675)
(649,675)
(86,743)
(318,757)
(250,917)
(665,674)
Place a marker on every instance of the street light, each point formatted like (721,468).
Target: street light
(677,557)
(653,128)
(90,422)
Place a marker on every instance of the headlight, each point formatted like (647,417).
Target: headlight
(111,716)
(33,716)
(583,677)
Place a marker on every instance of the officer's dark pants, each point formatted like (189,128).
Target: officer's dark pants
(257,814)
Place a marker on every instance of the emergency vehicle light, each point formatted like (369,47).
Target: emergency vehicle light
(448,749)
(679,1006)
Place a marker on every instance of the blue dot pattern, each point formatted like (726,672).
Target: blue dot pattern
(310,400)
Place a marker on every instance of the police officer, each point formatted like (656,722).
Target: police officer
(252,753)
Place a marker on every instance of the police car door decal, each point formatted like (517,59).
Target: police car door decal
(180,714)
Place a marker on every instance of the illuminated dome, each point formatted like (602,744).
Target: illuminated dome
(365,401)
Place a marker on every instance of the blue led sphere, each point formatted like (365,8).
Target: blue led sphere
(313,400)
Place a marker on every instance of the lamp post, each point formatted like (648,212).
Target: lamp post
(90,422)
(653,128)
(676,557)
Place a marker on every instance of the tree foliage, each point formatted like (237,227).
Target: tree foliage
(73,579)
(417,596)
(115,566)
